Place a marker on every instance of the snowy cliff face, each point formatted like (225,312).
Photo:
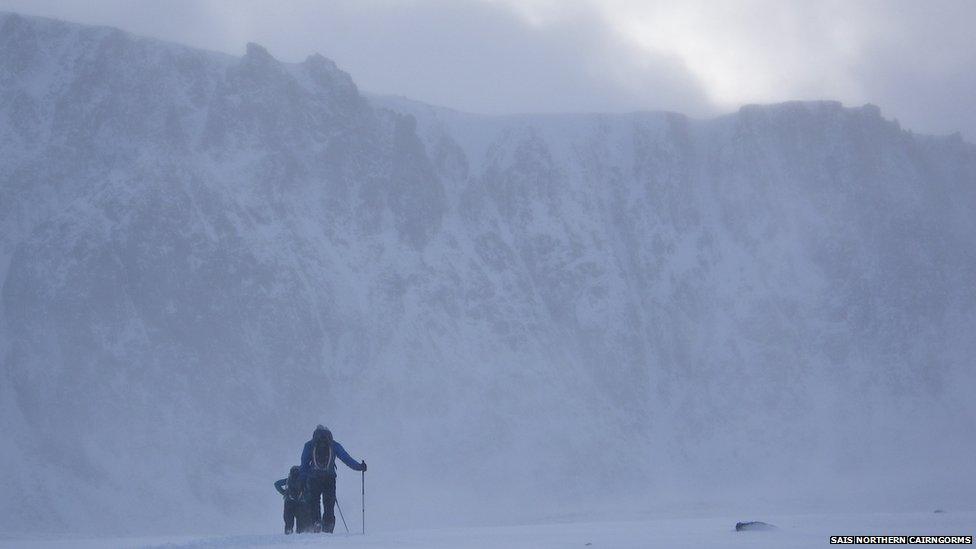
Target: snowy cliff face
(202,256)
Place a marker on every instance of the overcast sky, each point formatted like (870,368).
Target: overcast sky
(913,58)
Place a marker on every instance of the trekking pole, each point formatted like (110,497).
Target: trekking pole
(364,501)
(339,507)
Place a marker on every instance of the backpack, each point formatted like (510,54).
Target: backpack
(294,486)
(323,457)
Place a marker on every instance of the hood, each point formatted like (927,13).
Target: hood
(321,434)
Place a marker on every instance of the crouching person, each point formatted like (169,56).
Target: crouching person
(319,471)
(292,489)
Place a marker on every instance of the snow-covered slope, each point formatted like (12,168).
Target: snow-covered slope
(203,256)
(674,532)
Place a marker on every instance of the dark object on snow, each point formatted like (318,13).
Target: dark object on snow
(295,514)
(318,455)
(363,477)
(322,488)
(292,489)
(938,511)
(319,472)
(753,525)
(343,517)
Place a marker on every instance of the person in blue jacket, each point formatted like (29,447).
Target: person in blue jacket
(292,490)
(319,471)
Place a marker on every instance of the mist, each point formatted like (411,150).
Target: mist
(504,57)
(637,304)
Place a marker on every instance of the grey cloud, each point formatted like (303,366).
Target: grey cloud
(920,65)
(912,59)
(471,56)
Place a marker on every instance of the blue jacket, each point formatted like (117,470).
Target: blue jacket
(309,467)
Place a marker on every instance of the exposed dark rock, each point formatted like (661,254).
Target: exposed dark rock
(753,525)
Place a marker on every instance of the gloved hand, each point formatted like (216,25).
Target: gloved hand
(362,466)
